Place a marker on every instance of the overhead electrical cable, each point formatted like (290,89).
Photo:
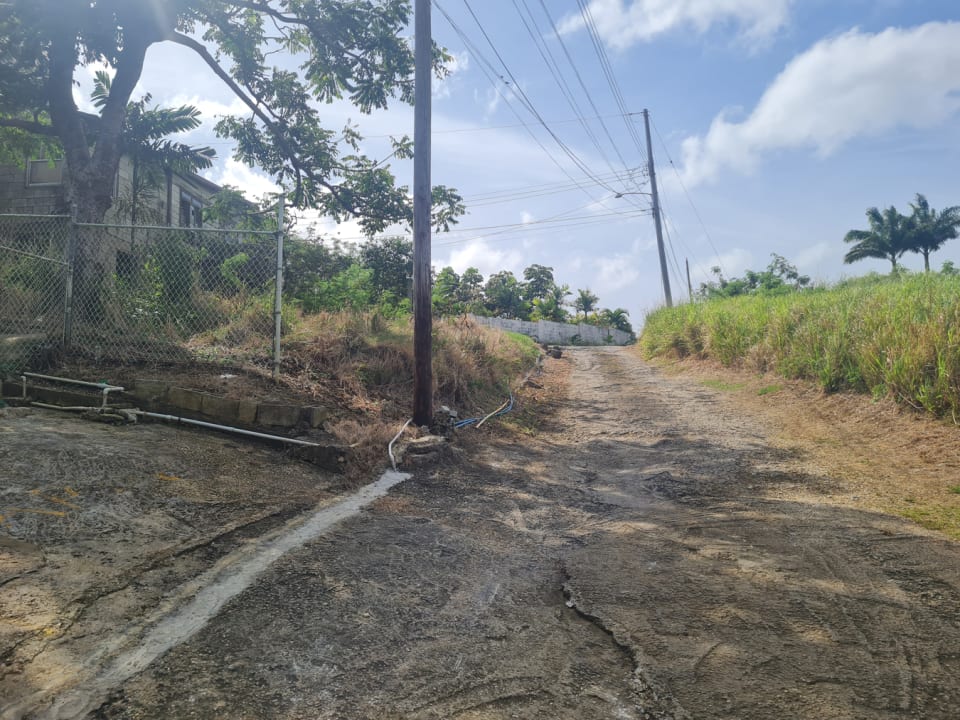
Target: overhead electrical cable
(689,199)
(531,108)
(492,76)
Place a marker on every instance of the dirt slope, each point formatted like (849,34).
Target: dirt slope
(649,554)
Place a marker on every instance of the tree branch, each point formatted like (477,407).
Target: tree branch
(30,126)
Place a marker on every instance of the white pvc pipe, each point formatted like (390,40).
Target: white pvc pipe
(99,385)
(393,460)
(224,428)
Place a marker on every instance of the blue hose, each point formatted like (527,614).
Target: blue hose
(471,421)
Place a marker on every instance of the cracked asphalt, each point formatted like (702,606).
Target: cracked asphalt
(647,554)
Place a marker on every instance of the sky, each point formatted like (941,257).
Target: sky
(775,125)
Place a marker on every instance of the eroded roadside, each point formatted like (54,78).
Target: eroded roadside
(649,554)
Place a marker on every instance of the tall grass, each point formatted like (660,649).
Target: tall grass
(895,336)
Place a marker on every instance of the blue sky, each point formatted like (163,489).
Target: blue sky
(783,120)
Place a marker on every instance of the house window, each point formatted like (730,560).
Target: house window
(191,210)
(44,172)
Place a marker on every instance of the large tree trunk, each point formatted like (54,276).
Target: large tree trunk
(92,150)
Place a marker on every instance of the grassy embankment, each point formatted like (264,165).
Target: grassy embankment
(361,365)
(896,337)
(889,337)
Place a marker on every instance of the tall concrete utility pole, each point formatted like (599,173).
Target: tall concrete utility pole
(656,213)
(422,317)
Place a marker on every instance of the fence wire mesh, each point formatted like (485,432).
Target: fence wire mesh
(137,294)
(33,278)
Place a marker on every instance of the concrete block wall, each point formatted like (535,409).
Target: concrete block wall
(558,333)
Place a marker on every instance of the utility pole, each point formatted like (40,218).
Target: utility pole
(656,213)
(422,316)
(689,284)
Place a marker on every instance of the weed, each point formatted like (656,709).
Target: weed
(955,489)
(724,386)
(896,337)
(769,389)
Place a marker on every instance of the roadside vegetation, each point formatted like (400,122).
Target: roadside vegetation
(896,335)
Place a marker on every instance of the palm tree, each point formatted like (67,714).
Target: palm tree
(889,237)
(585,302)
(932,229)
(618,319)
(145,141)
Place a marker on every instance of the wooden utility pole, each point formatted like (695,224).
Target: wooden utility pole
(422,316)
(689,284)
(656,213)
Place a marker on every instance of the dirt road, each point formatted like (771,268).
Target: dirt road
(648,554)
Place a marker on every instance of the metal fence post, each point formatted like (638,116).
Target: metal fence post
(278,299)
(71,258)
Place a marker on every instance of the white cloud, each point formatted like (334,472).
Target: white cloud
(621,25)
(459,63)
(812,259)
(856,84)
(614,273)
(486,257)
(253,184)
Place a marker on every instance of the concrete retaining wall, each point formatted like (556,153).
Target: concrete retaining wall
(559,333)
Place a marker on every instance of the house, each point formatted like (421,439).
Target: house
(37,189)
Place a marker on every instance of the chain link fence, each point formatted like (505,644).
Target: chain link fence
(34,272)
(109,294)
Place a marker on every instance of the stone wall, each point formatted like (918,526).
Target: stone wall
(559,333)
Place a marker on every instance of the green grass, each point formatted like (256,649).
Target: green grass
(897,337)
(955,489)
(769,389)
(724,386)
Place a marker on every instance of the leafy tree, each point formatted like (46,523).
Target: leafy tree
(504,296)
(343,48)
(390,261)
(551,307)
(446,288)
(618,318)
(932,229)
(948,268)
(145,140)
(309,261)
(781,276)
(350,289)
(586,302)
(889,237)
(539,282)
(470,292)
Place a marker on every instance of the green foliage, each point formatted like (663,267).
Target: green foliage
(345,49)
(538,283)
(350,289)
(504,296)
(891,234)
(780,277)
(895,336)
(390,261)
(586,302)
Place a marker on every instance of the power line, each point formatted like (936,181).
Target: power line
(608,73)
(689,199)
(559,79)
(583,85)
(490,72)
(528,104)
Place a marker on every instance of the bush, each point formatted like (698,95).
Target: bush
(898,336)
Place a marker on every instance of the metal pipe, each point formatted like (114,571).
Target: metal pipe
(224,428)
(278,299)
(98,385)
